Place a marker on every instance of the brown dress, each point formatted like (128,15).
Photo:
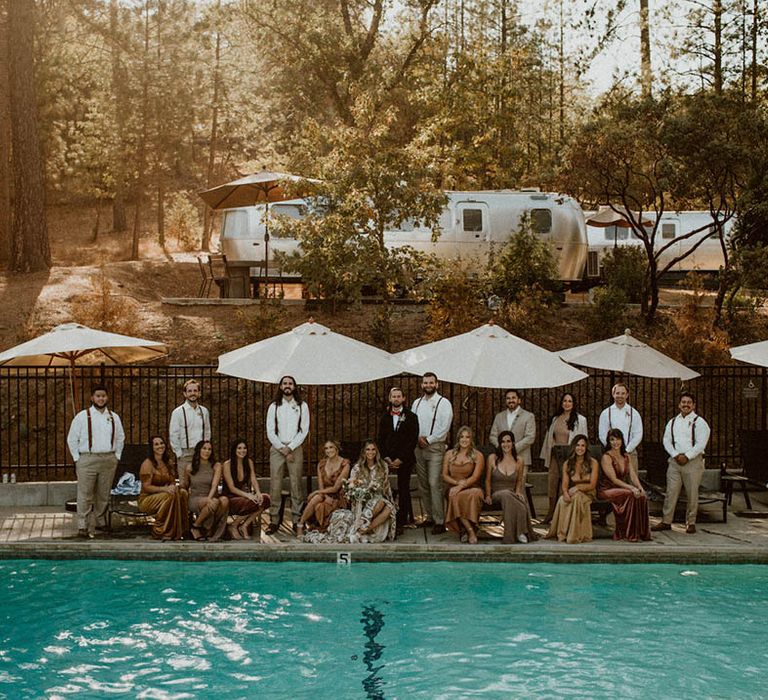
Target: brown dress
(332,501)
(467,503)
(240,505)
(631,513)
(572,521)
(171,510)
(517,520)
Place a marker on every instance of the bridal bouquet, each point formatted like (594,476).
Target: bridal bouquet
(356,491)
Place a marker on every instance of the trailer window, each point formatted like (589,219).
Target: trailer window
(616,233)
(541,220)
(291,211)
(473,219)
(668,231)
(235,225)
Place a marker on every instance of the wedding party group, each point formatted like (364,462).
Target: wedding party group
(192,493)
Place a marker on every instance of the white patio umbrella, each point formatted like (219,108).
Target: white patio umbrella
(258,188)
(627,355)
(71,344)
(490,357)
(312,354)
(753,353)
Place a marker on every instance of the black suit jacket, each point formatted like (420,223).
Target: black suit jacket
(400,443)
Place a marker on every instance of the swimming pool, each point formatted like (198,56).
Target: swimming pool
(420,630)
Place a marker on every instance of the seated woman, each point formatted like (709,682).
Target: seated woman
(462,473)
(202,478)
(620,485)
(160,497)
(505,487)
(246,501)
(371,513)
(572,519)
(332,472)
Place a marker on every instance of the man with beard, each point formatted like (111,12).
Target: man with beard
(96,440)
(287,428)
(190,423)
(397,438)
(521,423)
(435,415)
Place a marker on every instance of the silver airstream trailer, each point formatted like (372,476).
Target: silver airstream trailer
(472,225)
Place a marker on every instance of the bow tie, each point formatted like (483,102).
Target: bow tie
(395,412)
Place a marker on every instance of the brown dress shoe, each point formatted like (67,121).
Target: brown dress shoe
(661,526)
(271,529)
(690,529)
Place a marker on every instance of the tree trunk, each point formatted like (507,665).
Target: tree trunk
(30,249)
(717,69)
(646,76)
(5,142)
(208,215)
(755,24)
(142,159)
(118,79)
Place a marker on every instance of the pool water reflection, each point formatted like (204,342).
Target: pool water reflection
(420,630)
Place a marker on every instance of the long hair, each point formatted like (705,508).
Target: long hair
(457,446)
(571,422)
(499,453)
(233,460)
(296,392)
(166,453)
(570,463)
(615,432)
(196,455)
(379,463)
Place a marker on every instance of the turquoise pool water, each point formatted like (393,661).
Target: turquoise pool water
(422,630)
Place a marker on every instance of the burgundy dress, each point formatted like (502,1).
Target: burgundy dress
(631,513)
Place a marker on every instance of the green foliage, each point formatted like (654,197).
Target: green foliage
(262,320)
(607,313)
(624,268)
(524,264)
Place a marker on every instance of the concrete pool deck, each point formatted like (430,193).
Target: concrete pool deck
(47,532)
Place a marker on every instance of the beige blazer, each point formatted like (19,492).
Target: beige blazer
(524,430)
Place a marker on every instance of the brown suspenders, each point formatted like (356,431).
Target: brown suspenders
(90,429)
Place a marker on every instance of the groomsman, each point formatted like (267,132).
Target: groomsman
(435,415)
(622,416)
(96,440)
(190,423)
(397,439)
(287,428)
(521,423)
(685,439)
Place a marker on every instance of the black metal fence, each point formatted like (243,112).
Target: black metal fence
(35,409)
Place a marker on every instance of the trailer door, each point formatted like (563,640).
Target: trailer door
(473,228)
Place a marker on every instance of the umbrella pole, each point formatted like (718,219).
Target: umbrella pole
(266,247)
(73,387)
(309,442)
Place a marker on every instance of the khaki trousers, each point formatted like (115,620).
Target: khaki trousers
(95,474)
(277,464)
(185,460)
(429,471)
(688,475)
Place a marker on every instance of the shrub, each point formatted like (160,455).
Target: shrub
(262,320)
(624,268)
(99,308)
(182,221)
(606,315)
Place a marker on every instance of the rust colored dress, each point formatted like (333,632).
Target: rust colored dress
(631,513)
(170,510)
(240,505)
(467,503)
(332,501)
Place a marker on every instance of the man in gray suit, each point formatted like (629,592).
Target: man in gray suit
(520,422)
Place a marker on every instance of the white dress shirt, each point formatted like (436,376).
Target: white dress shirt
(103,438)
(690,433)
(512,417)
(626,419)
(435,416)
(288,433)
(185,435)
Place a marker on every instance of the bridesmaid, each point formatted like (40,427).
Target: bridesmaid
(246,502)
(572,520)
(462,473)
(505,486)
(202,478)
(332,472)
(620,484)
(160,496)
(566,424)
